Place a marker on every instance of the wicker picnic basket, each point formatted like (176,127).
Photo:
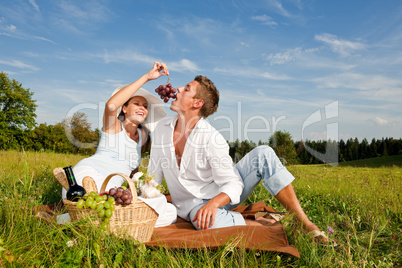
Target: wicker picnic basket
(136,220)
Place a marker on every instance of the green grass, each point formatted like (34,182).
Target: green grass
(361,204)
(385,161)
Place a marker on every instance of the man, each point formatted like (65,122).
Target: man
(203,183)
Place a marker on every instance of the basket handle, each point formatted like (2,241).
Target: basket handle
(61,177)
(130,183)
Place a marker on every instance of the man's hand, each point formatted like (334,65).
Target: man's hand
(205,216)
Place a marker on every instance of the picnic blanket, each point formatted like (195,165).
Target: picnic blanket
(182,234)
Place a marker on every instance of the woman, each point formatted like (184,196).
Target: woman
(130,114)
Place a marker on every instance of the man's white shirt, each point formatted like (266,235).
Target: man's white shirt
(206,168)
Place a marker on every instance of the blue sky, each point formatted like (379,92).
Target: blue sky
(317,69)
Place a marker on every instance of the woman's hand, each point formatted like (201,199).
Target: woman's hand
(157,71)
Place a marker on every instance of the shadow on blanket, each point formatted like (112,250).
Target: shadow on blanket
(182,234)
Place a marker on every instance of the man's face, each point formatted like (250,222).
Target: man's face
(185,97)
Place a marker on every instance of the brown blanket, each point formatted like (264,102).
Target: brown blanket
(182,234)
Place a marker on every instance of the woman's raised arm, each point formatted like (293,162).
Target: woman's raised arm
(110,120)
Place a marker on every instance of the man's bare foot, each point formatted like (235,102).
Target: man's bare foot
(321,239)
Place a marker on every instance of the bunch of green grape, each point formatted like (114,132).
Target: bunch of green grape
(103,204)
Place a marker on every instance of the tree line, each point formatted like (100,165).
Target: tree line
(319,152)
(53,138)
(18,130)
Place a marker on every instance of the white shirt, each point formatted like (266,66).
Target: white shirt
(115,153)
(206,168)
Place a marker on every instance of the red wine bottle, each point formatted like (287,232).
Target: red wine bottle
(75,191)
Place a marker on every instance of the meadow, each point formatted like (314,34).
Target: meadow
(358,204)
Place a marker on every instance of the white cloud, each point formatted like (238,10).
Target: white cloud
(265,20)
(278,6)
(6,27)
(78,17)
(76,96)
(19,64)
(11,28)
(251,73)
(44,39)
(131,56)
(183,65)
(84,11)
(316,136)
(244,44)
(10,35)
(30,54)
(109,83)
(36,7)
(312,60)
(203,30)
(9,72)
(302,55)
(378,121)
(285,57)
(343,47)
(125,56)
(373,86)
(259,99)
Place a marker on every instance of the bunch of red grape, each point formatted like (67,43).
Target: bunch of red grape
(166,92)
(122,196)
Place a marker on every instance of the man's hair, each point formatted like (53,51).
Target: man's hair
(207,92)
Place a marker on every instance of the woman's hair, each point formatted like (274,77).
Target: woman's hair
(145,146)
(207,92)
(121,115)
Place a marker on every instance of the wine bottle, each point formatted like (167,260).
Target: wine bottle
(75,191)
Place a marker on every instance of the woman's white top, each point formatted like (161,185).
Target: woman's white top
(115,153)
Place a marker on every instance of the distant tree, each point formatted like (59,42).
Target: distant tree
(245,147)
(383,149)
(79,133)
(49,138)
(331,152)
(303,156)
(237,149)
(373,148)
(352,146)
(232,150)
(342,150)
(17,112)
(396,146)
(364,149)
(260,142)
(282,143)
